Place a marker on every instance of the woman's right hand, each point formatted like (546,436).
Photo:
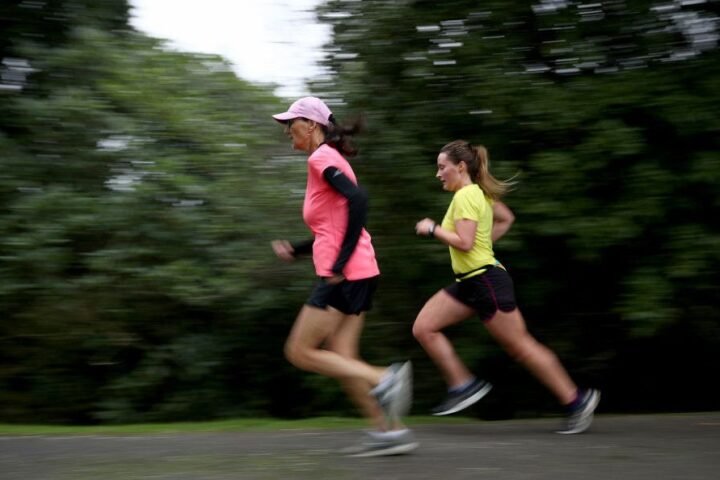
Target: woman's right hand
(425,226)
(283,250)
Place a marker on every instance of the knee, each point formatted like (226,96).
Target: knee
(295,354)
(422,332)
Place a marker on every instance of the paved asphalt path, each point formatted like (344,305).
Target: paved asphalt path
(652,447)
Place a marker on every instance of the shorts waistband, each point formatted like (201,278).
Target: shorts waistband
(475,271)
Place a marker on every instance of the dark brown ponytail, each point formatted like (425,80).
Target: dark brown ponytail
(340,136)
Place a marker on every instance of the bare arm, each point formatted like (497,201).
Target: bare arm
(503,218)
(462,238)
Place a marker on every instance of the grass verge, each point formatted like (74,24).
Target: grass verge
(235,425)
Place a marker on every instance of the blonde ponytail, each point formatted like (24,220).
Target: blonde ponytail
(492,187)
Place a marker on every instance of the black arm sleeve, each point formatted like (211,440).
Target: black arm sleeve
(303,247)
(357,213)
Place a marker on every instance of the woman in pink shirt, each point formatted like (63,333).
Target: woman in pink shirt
(326,333)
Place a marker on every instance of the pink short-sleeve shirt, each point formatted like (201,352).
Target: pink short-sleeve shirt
(325,212)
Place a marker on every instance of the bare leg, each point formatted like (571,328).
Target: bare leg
(441,311)
(509,330)
(312,328)
(345,342)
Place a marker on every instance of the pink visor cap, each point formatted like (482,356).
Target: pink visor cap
(311,108)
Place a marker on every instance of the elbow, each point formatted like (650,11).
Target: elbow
(506,219)
(359,197)
(505,224)
(509,217)
(358,206)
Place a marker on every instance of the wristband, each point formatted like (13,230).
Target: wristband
(431,230)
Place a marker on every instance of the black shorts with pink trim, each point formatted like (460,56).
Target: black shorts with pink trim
(486,293)
(351,297)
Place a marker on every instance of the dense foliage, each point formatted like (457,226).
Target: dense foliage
(140,187)
(608,114)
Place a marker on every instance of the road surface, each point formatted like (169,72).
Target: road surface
(647,447)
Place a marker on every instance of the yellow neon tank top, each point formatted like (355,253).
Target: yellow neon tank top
(470,203)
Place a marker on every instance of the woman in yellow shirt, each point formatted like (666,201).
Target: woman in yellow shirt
(474,220)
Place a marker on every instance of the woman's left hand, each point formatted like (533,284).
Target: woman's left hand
(424,226)
(335,279)
(283,249)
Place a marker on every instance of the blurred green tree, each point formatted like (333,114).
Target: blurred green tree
(608,113)
(140,189)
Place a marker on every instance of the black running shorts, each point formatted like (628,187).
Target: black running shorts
(486,293)
(350,297)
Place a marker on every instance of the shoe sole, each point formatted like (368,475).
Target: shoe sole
(467,402)
(575,431)
(386,452)
(594,401)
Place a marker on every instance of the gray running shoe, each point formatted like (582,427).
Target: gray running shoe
(581,416)
(378,444)
(394,394)
(456,401)
(402,400)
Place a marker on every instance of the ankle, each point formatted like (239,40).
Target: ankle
(462,386)
(575,403)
